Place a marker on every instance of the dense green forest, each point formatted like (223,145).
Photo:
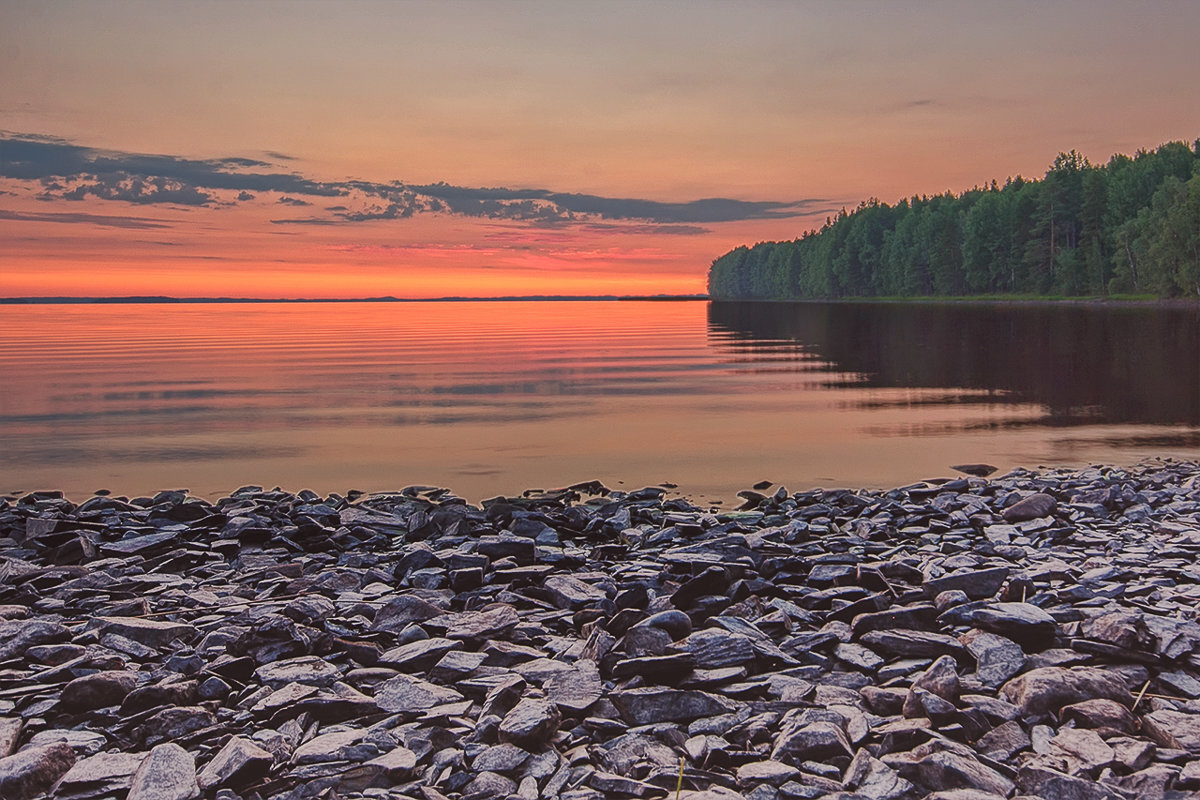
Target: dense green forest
(1131,226)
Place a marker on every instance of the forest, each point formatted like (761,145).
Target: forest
(1128,227)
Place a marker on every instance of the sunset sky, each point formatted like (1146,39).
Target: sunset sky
(419,149)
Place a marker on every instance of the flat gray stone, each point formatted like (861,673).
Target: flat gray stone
(168,772)
(30,772)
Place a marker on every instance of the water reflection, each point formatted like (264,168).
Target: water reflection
(1081,364)
(492,398)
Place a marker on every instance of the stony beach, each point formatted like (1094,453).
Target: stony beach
(969,638)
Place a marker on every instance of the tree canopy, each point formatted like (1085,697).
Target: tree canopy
(1129,226)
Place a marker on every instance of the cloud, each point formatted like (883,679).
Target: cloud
(70,172)
(92,219)
(67,171)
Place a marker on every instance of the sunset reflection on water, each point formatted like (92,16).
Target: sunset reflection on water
(496,397)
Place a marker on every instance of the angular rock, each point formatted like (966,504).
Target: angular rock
(98,690)
(239,762)
(530,724)
(1050,688)
(649,705)
(30,772)
(996,658)
(168,772)
(1029,508)
(305,670)
(407,694)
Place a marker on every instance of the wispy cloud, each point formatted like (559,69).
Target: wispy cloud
(91,219)
(67,171)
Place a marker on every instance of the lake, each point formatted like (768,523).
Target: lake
(492,398)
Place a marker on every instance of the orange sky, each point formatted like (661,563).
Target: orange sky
(475,148)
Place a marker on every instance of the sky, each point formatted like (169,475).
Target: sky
(426,149)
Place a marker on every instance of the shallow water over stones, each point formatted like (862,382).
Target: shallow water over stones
(897,645)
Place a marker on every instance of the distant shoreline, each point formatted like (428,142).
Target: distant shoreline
(151,300)
(984,300)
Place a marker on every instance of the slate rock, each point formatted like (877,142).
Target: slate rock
(1100,712)
(400,612)
(1024,623)
(168,772)
(530,723)
(975,583)
(18,635)
(408,694)
(997,658)
(941,680)
(571,593)
(240,761)
(102,773)
(1030,508)
(98,690)
(1037,780)
(1176,729)
(648,705)
(946,771)
(154,633)
(305,670)
(30,772)
(1050,688)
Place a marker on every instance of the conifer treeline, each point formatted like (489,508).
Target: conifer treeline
(1129,226)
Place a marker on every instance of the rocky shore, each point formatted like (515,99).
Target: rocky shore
(972,638)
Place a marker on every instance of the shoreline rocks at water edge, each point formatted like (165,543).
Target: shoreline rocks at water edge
(1032,635)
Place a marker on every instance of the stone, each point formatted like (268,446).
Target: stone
(653,704)
(945,770)
(98,690)
(800,740)
(940,679)
(492,621)
(530,724)
(1176,729)
(418,655)
(168,772)
(975,583)
(400,612)
(871,778)
(1030,508)
(1043,782)
(1024,623)
(1100,712)
(913,643)
(1050,688)
(978,470)
(502,758)
(18,635)
(576,689)
(331,746)
(102,773)
(150,632)
(996,658)
(408,694)
(239,762)
(1082,750)
(1004,741)
(572,593)
(770,772)
(306,670)
(32,771)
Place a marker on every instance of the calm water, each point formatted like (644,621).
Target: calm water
(491,398)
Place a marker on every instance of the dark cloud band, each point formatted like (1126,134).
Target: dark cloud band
(67,171)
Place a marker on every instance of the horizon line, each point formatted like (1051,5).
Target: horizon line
(166,299)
